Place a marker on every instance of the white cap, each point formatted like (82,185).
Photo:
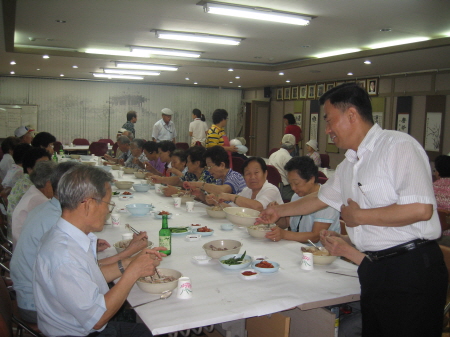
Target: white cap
(288,139)
(167,112)
(122,130)
(313,144)
(22,131)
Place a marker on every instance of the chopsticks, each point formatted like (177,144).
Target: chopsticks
(132,229)
(331,272)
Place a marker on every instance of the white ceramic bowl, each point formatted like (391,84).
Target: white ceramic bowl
(107,168)
(123,184)
(323,260)
(249,277)
(129,170)
(139,175)
(125,243)
(141,187)
(139,209)
(259,231)
(247,261)
(275,268)
(158,288)
(115,167)
(248,219)
(228,246)
(184,198)
(75,156)
(216,214)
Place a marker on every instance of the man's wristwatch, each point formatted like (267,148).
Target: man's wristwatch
(120,265)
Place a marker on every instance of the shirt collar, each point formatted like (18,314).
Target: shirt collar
(367,144)
(77,235)
(218,127)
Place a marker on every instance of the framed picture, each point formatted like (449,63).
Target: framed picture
(329,86)
(362,83)
(294,93)
(320,90)
(298,118)
(433,129)
(287,93)
(372,86)
(403,122)
(312,92)
(303,91)
(313,125)
(279,94)
(378,118)
(339,83)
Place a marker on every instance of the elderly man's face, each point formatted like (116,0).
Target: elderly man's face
(166,118)
(27,138)
(123,147)
(101,209)
(338,126)
(135,150)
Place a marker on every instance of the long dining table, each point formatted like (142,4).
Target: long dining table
(221,295)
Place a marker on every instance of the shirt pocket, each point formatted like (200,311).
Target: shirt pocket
(378,194)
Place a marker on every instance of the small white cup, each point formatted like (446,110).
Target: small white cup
(71,144)
(115,219)
(307,261)
(158,188)
(189,206)
(184,289)
(177,202)
(127,236)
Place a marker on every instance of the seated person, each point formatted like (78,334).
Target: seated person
(196,171)
(44,140)
(178,163)
(7,161)
(37,194)
(154,165)
(25,134)
(218,165)
(70,288)
(303,177)
(165,149)
(442,184)
(258,193)
(37,223)
(137,159)
(311,149)
(16,170)
(123,143)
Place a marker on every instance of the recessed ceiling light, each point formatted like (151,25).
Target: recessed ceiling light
(61,21)
(187,78)
(45,56)
(75,67)
(195,83)
(38,69)
(288,81)
(367,62)
(62,75)
(398,42)
(231,81)
(237,77)
(230,69)
(337,52)
(12,63)
(281,74)
(239,86)
(386,30)
(350,74)
(12,72)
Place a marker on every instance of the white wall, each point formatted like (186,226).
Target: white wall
(85,109)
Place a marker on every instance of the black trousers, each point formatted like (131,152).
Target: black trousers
(404,295)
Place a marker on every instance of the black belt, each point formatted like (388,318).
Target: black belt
(397,250)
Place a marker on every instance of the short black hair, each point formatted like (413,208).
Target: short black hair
(9,144)
(19,152)
(197,113)
(138,142)
(31,156)
(442,165)
(261,162)
(166,146)
(43,139)
(218,155)
(304,166)
(219,115)
(196,153)
(180,154)
(349,95)
(131,114)
(290,118)
(150,146)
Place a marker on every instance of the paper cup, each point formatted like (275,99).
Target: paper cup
(184,289)
(115,219)
(158,188)
(307,261)
(127,236)
(189,206)
(177,202)
(71,144)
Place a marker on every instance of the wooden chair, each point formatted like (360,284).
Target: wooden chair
(182,146)
(237,164)
(106,140)
(275,149)
(325,160)
(99,149)
(273,176)
(80,141)
(444,217)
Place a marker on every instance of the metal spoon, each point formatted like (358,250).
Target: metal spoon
(313,244)
(164,295)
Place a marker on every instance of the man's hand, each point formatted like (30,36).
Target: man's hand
(276,234)
(268,216)
(121,162)
(350,213)
(175,171)
(145,263)
(170,190)
(102,245)
(138,243)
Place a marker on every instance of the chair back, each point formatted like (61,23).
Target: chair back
(325,160)
(322,180)
(99,149)
(273,176)
(444,217)
(106,140)
(182,146)
(275,149)
(321,174)
(237,164)
(57,146)
(80,141)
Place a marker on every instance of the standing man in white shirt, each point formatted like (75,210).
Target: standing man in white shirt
(164,129)
(384,191)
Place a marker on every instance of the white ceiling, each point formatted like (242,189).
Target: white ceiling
(268,48)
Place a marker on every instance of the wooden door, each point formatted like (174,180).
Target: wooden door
(258,127)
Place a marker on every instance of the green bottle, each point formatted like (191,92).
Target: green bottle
(165,236)
(55,157)
(61,153)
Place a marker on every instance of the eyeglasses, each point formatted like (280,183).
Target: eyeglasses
(111,205)
(208,168)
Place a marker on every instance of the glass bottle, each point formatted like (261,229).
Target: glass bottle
(165,236)
(55,157)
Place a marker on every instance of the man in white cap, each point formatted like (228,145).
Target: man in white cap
(164,129)
(279,160)
(311,151)
(25,134)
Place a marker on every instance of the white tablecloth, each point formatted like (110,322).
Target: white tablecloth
(220,295)
(80,147)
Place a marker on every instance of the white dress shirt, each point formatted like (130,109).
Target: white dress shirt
(266,195)
(5,165)
(279,159)
(390,167)
(163,131)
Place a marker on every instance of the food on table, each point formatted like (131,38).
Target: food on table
(244,215)
(216,208)
(127,193)
(315,251)
(204,229)
(163,213)
(196,225)
(262,227)
(178,229)
(248,273)
(116,193)
(264,264)
(220,249)
(235,260)
(156,279)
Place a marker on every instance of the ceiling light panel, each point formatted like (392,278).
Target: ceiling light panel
(337,52)
(112,76)
(257,13)
(145,66)
(204,38)
(131,72)
(398,42)
(116,52)
(149,51)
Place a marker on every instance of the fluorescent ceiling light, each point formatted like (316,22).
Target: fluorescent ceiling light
(125,77)
(166,52)
(116,52)
(131,72)
(337,52)
(397,42)
(45,47)
(257,13)
(233,41)
(145,66)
